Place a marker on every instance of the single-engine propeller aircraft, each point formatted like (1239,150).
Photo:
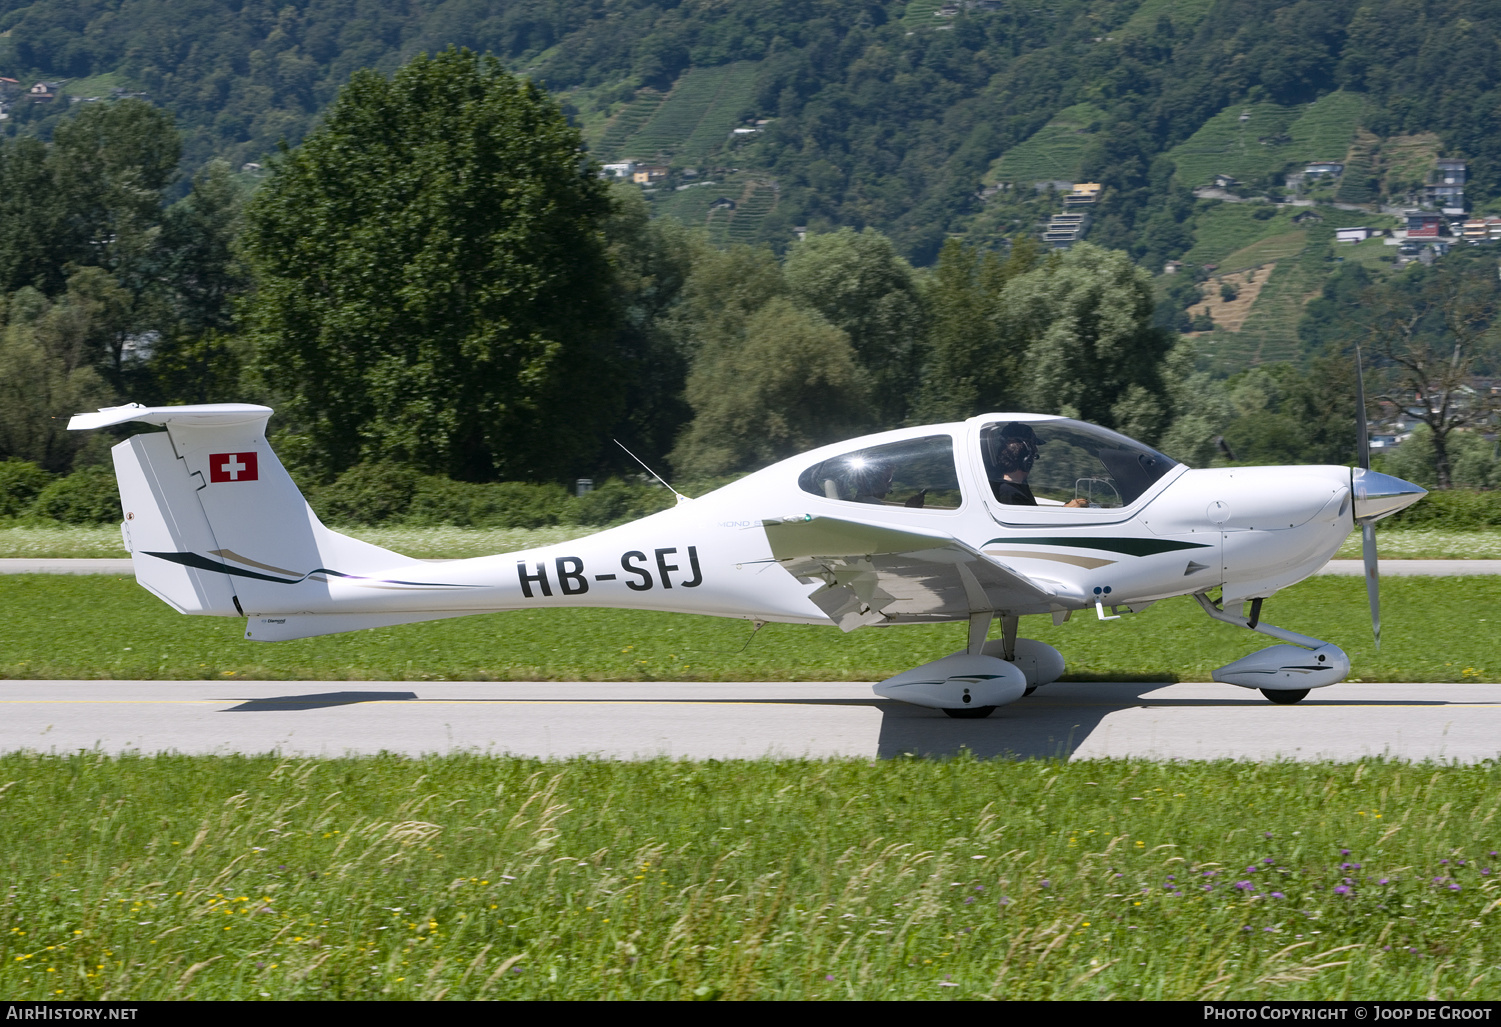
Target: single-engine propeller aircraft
(1000,516)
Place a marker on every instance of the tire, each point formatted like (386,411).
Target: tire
(1285,696)
(969,712)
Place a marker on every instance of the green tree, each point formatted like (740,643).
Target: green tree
(859,283)
(1433,331)
(47,373)
(653,259)
(432,283)
(789,383)
(1084,325)
(971,362)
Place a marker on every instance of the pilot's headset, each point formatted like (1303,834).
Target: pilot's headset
(1014,448)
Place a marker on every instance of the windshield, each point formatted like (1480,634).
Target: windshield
(917,474)
(1067,462)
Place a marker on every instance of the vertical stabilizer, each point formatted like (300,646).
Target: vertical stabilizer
(215,524)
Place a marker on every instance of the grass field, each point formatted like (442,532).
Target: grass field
(1269,139)
(68,626)
(1052,152)
(1184,14)
(173,877)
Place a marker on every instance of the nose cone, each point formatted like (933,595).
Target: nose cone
(1380,495)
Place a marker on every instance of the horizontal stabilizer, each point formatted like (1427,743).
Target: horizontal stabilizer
(202,414)
(310,625)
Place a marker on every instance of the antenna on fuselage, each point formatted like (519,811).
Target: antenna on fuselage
(681,498)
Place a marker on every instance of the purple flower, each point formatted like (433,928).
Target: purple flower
(1278,895)
(828,977)
(1384,880)
(1454,887)
(1485,871)
(1267,930)
(1443,862)
(1246,928)
(979,887)
(969,901)
(1267,860)
(1046,884)
(1341,889)
(1244,886)
(1344,852)
(1170,877)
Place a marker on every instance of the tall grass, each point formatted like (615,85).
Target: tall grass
(476,877)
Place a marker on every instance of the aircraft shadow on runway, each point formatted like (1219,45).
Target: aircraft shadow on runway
(314,701)
(1056,720)
(1051,724)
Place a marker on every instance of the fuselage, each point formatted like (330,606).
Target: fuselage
(1153,529)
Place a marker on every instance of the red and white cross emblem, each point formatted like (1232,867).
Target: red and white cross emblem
(232,467)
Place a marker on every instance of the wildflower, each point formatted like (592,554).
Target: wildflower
(828,977)
(1244,886)
(1278,895)
(1341,889)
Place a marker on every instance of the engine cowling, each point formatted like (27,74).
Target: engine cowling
(1287,668)
(957,682)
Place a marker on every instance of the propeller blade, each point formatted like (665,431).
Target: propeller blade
(1367,528)
(1363,450)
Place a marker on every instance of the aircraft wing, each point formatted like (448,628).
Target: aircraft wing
(880,574)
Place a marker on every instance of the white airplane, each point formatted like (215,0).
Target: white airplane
(1001,516)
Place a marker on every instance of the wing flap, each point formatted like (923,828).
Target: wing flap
(879,574)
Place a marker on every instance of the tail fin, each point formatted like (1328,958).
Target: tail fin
(213,522)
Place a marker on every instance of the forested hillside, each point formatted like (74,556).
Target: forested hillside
(874,113)
(413,257)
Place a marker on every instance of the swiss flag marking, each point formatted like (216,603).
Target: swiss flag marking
(232,467)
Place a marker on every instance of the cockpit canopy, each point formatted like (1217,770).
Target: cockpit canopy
(1068,460)
(914,473)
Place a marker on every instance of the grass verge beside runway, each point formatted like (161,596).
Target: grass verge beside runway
(64,626)
(479,877)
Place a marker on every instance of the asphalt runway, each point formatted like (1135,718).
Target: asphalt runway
(1416,722)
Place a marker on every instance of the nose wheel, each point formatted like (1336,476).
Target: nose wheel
(969,712)
(1285,696)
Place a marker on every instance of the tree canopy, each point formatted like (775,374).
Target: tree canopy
(432,283)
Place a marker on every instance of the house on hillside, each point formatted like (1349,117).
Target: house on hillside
(1083,195)
(1446,184)
(1423,220)
(1224,181)
(43,92)
(723,203)
(1354,235)
(622,170)
(1065,230)
(1323,169)
(650,174)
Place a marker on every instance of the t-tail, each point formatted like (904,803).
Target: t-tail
(216,526)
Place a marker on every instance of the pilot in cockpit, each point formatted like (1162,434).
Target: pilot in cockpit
(1013,451)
